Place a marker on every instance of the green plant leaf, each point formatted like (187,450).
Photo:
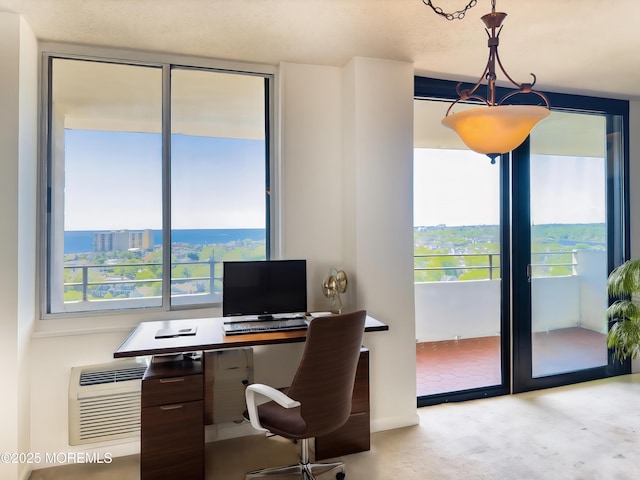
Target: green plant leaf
(625,279)
(622,310)
(623,284)
(624,339)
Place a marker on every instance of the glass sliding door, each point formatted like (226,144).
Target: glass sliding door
(457,264)
(564,171)
(560,225)
(568,248)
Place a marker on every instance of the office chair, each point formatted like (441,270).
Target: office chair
(319,398)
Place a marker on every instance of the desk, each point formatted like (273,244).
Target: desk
(177,397)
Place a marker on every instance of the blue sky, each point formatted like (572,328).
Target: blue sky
(114,181)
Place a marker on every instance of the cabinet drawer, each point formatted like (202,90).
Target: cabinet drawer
(354,436)
(172,442)
(164,391)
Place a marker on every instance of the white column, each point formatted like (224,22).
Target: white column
(18,147)
(378,225)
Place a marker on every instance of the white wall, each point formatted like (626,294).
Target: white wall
(27,201)
(18,141)
(592,271)
(9,50)
(9,349)
(310,176)
(449,310)
(555,303)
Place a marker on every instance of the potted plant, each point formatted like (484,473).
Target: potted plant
(623,284)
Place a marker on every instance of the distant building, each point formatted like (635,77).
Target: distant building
(142,240)
(118,240)
(102,241)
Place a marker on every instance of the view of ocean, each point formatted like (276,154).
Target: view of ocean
(82,241)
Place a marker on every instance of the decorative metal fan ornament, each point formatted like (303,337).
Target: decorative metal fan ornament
(332,286)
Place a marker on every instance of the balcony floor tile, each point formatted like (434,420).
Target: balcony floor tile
(454,365)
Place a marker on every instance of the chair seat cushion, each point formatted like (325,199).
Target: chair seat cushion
(289,421)
(286,422)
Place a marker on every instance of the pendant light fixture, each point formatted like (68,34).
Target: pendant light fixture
(496,127)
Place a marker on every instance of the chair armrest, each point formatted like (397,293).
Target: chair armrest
(270,393)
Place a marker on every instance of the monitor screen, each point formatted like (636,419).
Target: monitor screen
(264,287)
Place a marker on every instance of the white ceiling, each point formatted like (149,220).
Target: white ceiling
(578,46)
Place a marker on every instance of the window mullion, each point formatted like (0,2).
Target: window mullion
(166,187)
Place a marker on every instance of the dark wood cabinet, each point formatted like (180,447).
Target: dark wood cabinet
(353,436)
(172,421)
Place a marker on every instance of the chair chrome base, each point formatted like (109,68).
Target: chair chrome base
(303,470)
(306,471)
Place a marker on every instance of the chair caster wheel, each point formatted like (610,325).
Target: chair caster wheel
(340,476)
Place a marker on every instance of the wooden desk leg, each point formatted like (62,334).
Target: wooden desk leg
(355,435)
(209,374)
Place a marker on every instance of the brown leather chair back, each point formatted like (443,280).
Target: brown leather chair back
(324,381)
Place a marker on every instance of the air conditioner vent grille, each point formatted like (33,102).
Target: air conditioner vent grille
(111,376)
(104,401)
(110,416)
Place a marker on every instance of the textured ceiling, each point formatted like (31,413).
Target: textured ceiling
(580,46)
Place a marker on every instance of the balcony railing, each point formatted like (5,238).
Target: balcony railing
(493,263)
(566,291)
(85,285)
(452,264)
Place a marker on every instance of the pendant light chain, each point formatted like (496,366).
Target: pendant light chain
(459,15)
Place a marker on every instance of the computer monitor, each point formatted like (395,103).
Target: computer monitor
(264,287)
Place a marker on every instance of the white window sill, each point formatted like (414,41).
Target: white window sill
(111,323)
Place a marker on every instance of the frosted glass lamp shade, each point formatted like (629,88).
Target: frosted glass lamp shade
(497,129)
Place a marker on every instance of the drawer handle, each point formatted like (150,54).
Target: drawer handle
(171,407)
(172,380)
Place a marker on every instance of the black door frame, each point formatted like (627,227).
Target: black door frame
(516,298)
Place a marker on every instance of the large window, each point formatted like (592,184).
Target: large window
(155,175)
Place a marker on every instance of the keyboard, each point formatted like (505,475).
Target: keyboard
(261,326)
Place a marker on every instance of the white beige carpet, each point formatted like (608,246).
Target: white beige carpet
(589,431)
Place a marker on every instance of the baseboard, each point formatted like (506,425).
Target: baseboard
(390,423)
(225,431)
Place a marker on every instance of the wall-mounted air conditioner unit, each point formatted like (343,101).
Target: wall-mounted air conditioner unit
(104,401)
